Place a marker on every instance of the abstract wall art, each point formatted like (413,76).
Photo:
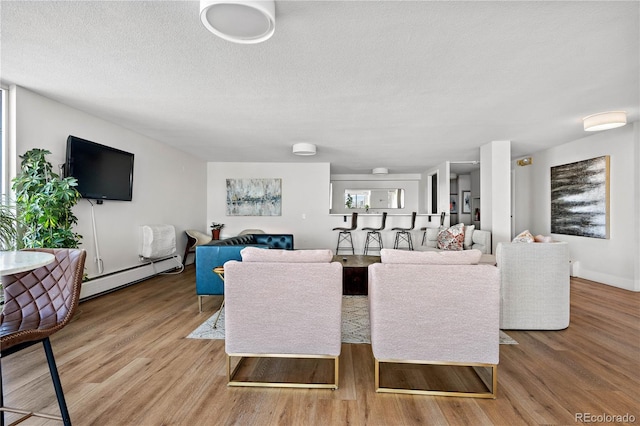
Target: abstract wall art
(466,201)
(254,197)
(580,198)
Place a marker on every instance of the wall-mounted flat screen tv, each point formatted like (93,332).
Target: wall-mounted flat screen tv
(103,173)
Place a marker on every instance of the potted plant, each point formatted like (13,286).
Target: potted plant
(43,203)
(215,230)
(7,233)
(349,202)
(7,226)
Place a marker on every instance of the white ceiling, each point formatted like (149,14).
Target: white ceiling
(399,84)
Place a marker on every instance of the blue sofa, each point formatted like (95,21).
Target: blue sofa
(217,252)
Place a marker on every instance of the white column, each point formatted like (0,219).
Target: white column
(495,191)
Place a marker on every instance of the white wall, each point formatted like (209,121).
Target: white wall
(305,205)
(169,186)
(611,261)
(305,201)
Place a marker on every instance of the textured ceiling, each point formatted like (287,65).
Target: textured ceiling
(397,84)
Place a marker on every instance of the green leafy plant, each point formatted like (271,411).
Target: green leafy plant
(7,226)
(43,202)
(349,201)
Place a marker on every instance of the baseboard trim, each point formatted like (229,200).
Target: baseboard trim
(113,281)
(608,279)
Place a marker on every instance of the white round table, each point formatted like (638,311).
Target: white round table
(12,262)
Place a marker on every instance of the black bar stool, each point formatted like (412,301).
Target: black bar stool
(404,234)
(373,236)
(424,234)
(424,228)
(345,234)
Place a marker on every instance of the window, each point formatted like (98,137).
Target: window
(3,143)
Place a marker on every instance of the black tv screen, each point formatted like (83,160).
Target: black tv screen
(103,173)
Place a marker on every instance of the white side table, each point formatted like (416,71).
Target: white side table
(12,262)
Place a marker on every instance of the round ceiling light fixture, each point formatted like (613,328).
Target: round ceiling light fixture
(239,21)
(604,120)
(304,148)
(380,171)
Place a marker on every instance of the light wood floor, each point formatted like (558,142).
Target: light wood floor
(125,361)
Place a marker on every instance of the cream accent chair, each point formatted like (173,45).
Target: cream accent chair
(251,231)
(535,285)
(194,239)
(283,304)
(437,308)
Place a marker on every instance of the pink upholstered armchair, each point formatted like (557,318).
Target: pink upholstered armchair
(436,308)
(283,304)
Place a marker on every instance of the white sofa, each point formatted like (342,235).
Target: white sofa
(283,304)
(535,285)
(435,308)
(479,240)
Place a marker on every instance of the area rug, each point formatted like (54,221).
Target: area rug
(355,324)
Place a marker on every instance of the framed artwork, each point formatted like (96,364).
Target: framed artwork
(254,197)
(453,203)
(466,202)
(580,198)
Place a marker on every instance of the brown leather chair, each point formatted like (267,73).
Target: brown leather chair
(39,303)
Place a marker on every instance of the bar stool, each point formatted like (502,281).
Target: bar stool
(424,228)
(345,234)
(404,234)
(424,234)
(373,236)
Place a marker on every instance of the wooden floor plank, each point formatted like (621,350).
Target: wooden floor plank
(125,360)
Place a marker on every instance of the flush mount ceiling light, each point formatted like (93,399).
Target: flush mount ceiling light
(380,171)
(239,21)
(304,148)
(605,120)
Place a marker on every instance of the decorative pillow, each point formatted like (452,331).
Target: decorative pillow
(543,239)
(451,238)
(464,257)
(468,236)
(524,237)
(255,254)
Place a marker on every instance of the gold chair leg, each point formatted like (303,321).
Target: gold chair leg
(215,323)
(488,374)
(231,372)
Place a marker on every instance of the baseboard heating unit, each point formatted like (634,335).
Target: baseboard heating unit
(116,280)
(157,255)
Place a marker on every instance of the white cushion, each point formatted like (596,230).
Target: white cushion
(468,236)
(432,237)
(255,254)
(466,257)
